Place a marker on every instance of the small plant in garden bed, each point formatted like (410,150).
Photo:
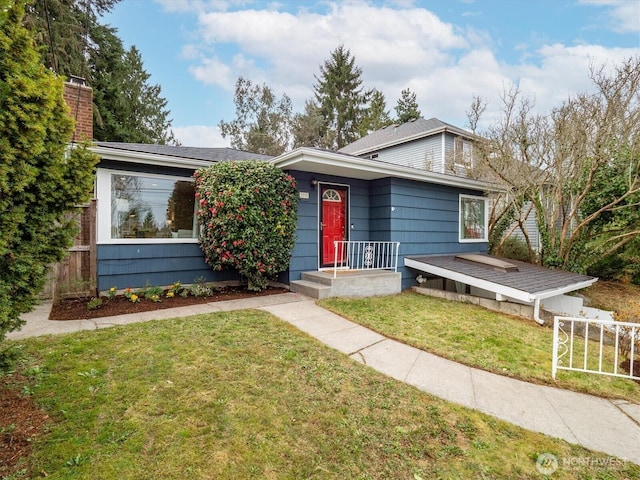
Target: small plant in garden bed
(176,289)
(94,303)
(154,294)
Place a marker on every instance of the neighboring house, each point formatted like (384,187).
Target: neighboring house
(436,146)
(423,144)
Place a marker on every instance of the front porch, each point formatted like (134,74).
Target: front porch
(347,283)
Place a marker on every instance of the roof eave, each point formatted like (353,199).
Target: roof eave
(566,289)
(510,292)
(108,153)
(371,169)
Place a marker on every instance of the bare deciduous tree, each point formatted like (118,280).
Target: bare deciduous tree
(577,169)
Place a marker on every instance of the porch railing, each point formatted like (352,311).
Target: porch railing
(602,347)
(365,255)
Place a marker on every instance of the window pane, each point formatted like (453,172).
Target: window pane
(472,218)
(147,207)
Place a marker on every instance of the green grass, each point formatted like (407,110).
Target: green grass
(477,337)
(243,395)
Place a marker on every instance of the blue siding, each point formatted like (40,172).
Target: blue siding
(304,256)
(157,264)
(422,217)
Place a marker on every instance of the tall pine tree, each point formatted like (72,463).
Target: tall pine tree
(340,98)
(376,116)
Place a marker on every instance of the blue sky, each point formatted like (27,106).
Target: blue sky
(445,51)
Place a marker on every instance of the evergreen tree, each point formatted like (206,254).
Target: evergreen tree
(144,115)
(127,108)
(340,97)
(308,126)
(39,181)
(407,107)
(376,116)
(62,30)
(262,124)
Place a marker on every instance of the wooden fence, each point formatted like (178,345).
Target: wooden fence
(76,276)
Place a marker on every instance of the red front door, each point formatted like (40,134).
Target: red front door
(333,222)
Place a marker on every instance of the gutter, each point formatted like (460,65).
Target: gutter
(147,158)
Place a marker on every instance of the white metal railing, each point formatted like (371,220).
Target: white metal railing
(365,255)
(603,347)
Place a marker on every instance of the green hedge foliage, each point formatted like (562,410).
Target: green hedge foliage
(248,216)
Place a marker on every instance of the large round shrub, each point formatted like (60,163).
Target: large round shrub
(248,214)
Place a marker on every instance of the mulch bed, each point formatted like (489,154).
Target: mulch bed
(21,421)
(76,309)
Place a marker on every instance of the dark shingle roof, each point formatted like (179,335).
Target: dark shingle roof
(196,153)
(528,278)
(394,134)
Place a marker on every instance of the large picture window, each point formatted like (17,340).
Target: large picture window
(152,207)
(474,216)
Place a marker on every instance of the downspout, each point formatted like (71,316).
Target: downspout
(536,311)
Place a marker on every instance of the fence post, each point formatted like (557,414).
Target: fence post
(554,358)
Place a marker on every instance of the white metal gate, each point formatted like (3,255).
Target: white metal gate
(596,346)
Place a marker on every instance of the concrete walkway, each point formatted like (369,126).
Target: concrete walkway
(609,426)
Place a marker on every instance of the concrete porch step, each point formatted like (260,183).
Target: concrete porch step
(310,288)
(347,284)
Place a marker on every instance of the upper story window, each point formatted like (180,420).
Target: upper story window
(145,208)
(463,152)
(474,219)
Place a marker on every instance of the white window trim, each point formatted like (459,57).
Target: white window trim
(459,159)
(486,201)
(103,194)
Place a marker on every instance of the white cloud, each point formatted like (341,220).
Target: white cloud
(566,70)
(285,50)
(212,71)
(396,48)
(624,14)
(200,136)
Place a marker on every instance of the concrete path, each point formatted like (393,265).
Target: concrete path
(609,426)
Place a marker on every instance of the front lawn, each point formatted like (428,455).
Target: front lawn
(244,395)
(477,337)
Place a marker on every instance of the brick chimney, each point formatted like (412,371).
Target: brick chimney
(79,98)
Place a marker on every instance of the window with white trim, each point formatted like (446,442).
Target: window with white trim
(474,219)
(147,208)
(463,153)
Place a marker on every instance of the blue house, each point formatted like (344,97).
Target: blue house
(147,232)
(393,207)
